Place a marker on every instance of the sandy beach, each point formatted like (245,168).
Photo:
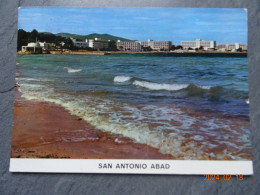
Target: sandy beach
(45,130)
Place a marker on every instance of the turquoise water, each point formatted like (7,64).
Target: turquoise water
(189,107)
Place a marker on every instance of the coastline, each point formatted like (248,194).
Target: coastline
(46,130)
(154,53)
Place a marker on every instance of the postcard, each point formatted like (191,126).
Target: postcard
(131,90)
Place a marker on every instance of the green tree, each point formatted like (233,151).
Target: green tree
(239,49)
(34,34)
(21,39)
(147,48)
(112,46)
(172,47)
(178,47)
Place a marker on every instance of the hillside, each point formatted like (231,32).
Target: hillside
(92,36)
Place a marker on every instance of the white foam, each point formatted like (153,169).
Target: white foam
(26,79)
(198,138)
(133,122)
(164,86)
(157,86)
(31,85)
(204,87)
(121,79)
(71,70)
(247,101)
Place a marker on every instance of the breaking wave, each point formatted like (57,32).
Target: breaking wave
(121,79)
(160,127)
(163,86)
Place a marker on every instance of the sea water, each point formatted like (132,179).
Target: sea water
(188,107)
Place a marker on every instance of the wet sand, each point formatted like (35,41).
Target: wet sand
(45,130)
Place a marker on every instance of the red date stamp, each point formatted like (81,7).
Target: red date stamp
(226,177)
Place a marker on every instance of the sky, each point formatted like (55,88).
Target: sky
(223,25)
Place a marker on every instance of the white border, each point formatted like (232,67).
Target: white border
(191,167)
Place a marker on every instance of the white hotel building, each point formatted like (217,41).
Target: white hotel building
(157,45)
(80,44)
(128,46)
(96,43)
(232,47)
(198,43)
(137,45)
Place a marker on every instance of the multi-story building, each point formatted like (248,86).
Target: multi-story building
(243,47)
(221,46)
(198,43)
(137,45)
(97,43)
(157,45)
(80,44)
(232,47)
(128,45)
(188,44)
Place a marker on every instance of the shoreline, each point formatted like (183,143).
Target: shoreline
(155,53)
(47,130)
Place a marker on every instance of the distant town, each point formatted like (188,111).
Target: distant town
(49,43)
